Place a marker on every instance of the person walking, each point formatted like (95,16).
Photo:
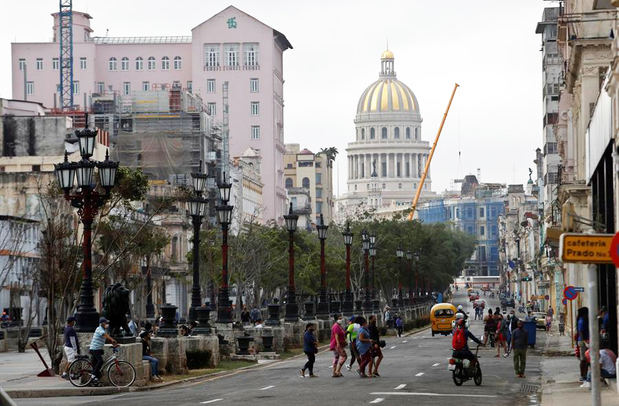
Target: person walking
(71,345)
(351,335)
(96,348)
(245,318)
(582,339)
(255,314)
(363,346)
(399,325)
(376,353)
(147,356)
(489,326)
(310,348)
(338,346)
(501,335)
(520,339)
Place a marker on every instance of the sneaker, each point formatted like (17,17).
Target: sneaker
(302,373)
(375,374)
(581,379)
(586,384)
(313,376)
(348,367)
(64,375)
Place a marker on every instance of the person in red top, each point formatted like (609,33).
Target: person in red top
(338,345)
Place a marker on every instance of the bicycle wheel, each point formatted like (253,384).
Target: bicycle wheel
(121,374)
(80,372)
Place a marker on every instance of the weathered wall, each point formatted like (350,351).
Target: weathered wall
(32,136)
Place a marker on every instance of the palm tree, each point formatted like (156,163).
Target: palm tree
(331,153)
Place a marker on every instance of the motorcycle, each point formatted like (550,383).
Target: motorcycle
(463,370)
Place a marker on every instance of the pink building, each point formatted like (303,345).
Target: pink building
(231,46)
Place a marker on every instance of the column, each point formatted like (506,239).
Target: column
(354,163)
(379,161)
(368,165)
(349,167)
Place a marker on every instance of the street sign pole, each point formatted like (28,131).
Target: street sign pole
(594,337)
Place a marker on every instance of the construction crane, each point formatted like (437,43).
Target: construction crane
(427,167)
(65,28)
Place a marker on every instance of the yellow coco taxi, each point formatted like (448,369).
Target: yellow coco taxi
(441,316)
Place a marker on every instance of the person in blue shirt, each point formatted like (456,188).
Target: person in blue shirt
(582,337)
(310,348)
(71,345)
(96,347)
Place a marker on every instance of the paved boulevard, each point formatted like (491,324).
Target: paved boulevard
(414,371)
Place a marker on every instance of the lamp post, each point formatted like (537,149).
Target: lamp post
(347,306)
(375,301)
(196,206)
(87,199)
(292,309)
(365,241)
(224,214)
(416,258)
(400,254)
(409,257)
(323,305)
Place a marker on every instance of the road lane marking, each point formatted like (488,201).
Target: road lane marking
(267,387)
(404,342)
(392,347)
(210,401)
(401,386)
(437,364)
(419,374)
(377,400)
(431,394)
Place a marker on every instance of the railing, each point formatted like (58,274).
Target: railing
(231,67)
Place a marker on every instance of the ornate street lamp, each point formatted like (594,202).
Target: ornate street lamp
(399,252)
(375,301)
(365,243)
(347,306)
(416,258)
(224,214)
(292,309)
(323,304)
(88,200)
(197,207)
(409,257)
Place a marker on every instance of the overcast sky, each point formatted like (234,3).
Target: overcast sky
(488,46)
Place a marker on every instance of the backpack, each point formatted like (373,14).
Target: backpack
(458,342)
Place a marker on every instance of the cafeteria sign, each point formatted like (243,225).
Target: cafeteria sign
(586,248)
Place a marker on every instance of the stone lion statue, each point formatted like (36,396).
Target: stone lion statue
(116,308)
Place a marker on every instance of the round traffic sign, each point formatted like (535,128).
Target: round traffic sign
(570,293)
(564,301)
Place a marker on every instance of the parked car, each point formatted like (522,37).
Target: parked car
(540,320)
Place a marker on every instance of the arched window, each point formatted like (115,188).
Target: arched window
(408,133)
(139,63)
(151,63)
(372,133)
(363,133)
(174,247)
(396,133)
(112,64)
(165,63)
(306,183)
(177,62)
(384,133)
(288,183)
(124,63)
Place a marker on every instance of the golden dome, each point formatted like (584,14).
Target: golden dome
(387,95)
(387,55)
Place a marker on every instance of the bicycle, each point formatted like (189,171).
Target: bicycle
(120,373)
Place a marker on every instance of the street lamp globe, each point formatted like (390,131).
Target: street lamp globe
(416,255)
(399,252)
(65,173)
(409,255)
(86,140)
(224,214)
(197,206)
(365,241)
(107,172)
(372,238)
(347,235)
(372,250)
(322,228)
(224,190)
(198,180)
(291,220)
(85,171)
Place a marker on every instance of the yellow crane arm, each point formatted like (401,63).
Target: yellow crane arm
(427,167)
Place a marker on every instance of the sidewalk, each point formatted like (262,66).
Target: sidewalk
(560,374)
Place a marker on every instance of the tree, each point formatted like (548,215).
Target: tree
(331,153)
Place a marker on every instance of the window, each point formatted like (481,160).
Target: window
(146,86)
(293,201)
(384,133)
(363,133)
(151,63)
(318,192)
(76,87)
(481,212)
(416,133)
(29,87)
(396,133)
(482,231)
(253,85)
(126,88)
(407,170)
(355,187)
(55,63)
(210,85)
(399,186)
(255,108)
(397,170)
(211,108)
(251,54)
(178,62)
(383,169)
(124,63)
(319,178)
(408,133)
(83,64)
(165,63)
(39,63)
(318,207)
(305,183)
(288,183)
(255,132)
(384,185)
(190,86)
(372,133)
(100,87)
(139,63)
(232,54)
(112,64)
(211,55)
(22,64)
(176,84)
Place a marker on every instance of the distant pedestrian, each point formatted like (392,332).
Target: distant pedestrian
(399,325)
(561,324)
(71,345)
(388,317)
(582,339)
(501,335)
(133,328)
(520,340)
(245,319)
(376,353)
(338,345)
(351,335)
(255,314)
(363,346)
(310,348)
(259,323)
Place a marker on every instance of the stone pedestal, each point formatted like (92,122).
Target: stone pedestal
(309,310)
(168,324)
(203,327)
(273,319)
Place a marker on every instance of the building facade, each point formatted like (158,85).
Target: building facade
(231,48)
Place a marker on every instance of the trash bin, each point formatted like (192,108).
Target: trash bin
(531,329)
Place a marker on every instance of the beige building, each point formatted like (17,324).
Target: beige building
(314,172)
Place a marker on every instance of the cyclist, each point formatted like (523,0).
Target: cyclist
(96,348)
(459,343)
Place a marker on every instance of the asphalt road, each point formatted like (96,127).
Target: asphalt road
(414,371)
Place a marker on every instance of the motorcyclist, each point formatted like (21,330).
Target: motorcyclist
(461,311)
(465,352)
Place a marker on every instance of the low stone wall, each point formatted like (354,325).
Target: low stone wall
(172,351)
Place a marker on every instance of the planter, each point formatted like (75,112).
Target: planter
(203,327)
(168,324)
(273,319)
(244,344)
(309,310)
(267,343)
